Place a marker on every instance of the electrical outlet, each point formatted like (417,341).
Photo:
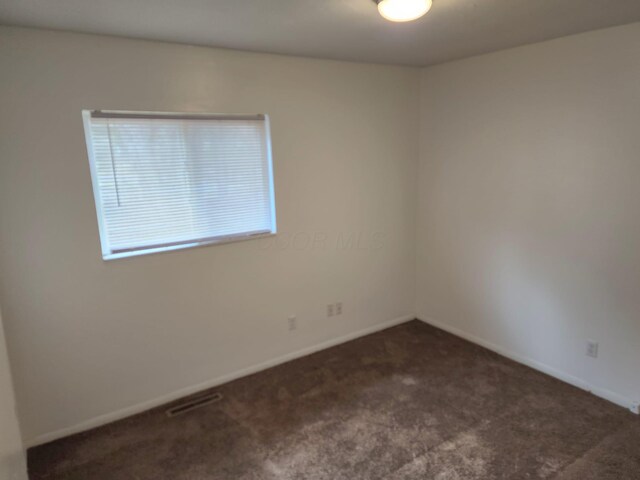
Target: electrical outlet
(635,408)
(292,322)
(592,349)
(330,310)
(339,308)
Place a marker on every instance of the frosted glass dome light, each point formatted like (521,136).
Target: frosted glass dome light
(403,10)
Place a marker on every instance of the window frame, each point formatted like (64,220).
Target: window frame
(107,252)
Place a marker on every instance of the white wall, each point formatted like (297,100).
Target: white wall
(12,458)
(89,338)
(529,212)
(528,225)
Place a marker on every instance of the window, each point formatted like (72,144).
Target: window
(168,181)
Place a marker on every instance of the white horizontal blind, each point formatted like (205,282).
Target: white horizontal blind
(168,180)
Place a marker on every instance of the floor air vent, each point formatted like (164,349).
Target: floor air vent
(193,403)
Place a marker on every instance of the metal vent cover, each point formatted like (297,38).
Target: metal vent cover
(193,403)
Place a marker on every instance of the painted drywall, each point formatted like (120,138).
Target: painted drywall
(88,338)
(529,211)
(12,458)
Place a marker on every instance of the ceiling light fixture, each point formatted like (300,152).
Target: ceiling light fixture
(403,10)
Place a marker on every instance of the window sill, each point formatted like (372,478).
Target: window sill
(184,246)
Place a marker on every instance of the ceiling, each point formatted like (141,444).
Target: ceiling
(338,29)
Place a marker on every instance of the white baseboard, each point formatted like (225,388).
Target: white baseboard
(170,397)
(536,365)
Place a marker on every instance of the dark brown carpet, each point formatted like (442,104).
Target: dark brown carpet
(411,402)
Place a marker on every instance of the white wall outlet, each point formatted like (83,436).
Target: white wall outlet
(339,308)
(592,349)
(330,310)
(292,323)
(635,408)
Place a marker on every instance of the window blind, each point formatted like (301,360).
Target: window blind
(169,180)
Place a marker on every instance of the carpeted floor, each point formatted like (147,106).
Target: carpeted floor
(411,402)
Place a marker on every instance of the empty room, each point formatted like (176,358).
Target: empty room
(319,240)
